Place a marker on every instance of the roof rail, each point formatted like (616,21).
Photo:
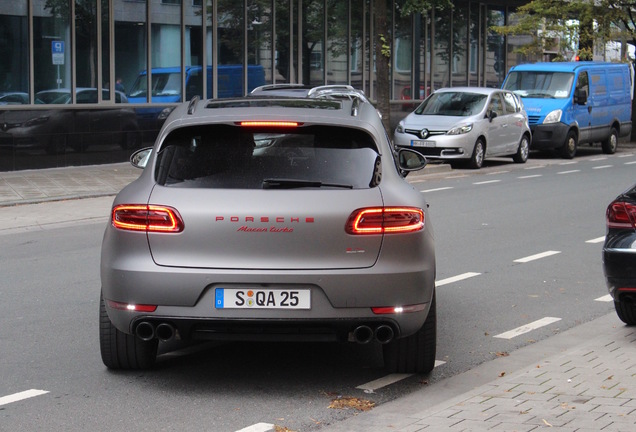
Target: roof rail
(279,86)
(340,91)
(193,104)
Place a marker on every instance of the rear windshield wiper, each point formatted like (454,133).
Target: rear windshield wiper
(276,183)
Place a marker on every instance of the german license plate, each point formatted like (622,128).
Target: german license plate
(231,298)
(422,143)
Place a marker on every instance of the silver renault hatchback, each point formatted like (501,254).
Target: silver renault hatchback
(272,219)
(466,125)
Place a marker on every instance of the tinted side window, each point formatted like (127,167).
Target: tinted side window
(231,157)
(495,104)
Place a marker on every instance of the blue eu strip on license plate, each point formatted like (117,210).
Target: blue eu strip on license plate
(218,300)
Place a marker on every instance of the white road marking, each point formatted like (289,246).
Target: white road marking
(486,182)
(530,176)
(383,382)
(534,167)
(436,190)
(630,163)
(456,278)
(527,328)
(374,385)
(21,396)
(596,240)
(258,427)
(602,166)
(569,172)
(605,298)
(625,155)
(598,159)
(497,172)
(568,163)
(537,256)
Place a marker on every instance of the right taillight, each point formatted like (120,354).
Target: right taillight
(385,220)
(621,214)
(147,218)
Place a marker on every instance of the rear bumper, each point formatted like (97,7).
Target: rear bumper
(619,266)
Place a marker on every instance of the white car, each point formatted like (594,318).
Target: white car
(466,125)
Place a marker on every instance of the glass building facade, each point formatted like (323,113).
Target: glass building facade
(86,82)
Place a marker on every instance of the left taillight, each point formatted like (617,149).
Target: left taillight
(385,220)
(147,218)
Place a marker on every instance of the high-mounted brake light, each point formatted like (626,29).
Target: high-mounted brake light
(385,220)
(269,124)
(621,215)
(147,218)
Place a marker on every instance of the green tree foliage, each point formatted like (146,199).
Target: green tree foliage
(570,27)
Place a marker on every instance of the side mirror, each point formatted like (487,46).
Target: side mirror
(580,97)
(139,159)
(491,114)
(410,160)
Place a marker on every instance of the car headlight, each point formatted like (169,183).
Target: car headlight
(459,130)
(553,117)
(400,128)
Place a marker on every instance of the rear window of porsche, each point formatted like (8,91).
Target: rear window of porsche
(265,156)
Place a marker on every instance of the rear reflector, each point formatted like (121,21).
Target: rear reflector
(621,215)
(398,309)
(131,307)
(269,124)
(147,218)
(385,220)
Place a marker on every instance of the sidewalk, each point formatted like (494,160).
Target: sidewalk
(581,380)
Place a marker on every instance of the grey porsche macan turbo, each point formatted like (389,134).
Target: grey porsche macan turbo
(271,218)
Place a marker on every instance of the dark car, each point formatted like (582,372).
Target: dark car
(58,130)
(619,254)
(271,219)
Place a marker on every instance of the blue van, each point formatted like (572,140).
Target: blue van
(166,83)
(574,103)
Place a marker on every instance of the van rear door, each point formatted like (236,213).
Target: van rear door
(582,112)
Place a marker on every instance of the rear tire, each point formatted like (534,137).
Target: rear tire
(522,152)
(415,353)
(611,143)
(626,311)
(120,350)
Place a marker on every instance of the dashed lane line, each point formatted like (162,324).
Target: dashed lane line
(487,182)
(605,298)
(527,328)
(568,172)
(436,189)
(596,240)
(602,167)
(387,380)
(21,396)
(530,176)
(630,163)
(536,256)
(457,278)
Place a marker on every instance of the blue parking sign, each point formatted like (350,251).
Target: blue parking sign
(57,51)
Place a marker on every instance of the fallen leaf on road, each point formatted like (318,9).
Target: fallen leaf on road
(352,402)
(546,423)
(501,374)
(502,354)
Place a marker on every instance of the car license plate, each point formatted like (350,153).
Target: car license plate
(422,143)
(230,298)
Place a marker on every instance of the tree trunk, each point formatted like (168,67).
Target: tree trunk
(382,44)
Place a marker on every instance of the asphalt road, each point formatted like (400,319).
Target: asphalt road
(518,253)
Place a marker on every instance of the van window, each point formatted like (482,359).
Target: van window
(163,84)
(582,83)
(548,85)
